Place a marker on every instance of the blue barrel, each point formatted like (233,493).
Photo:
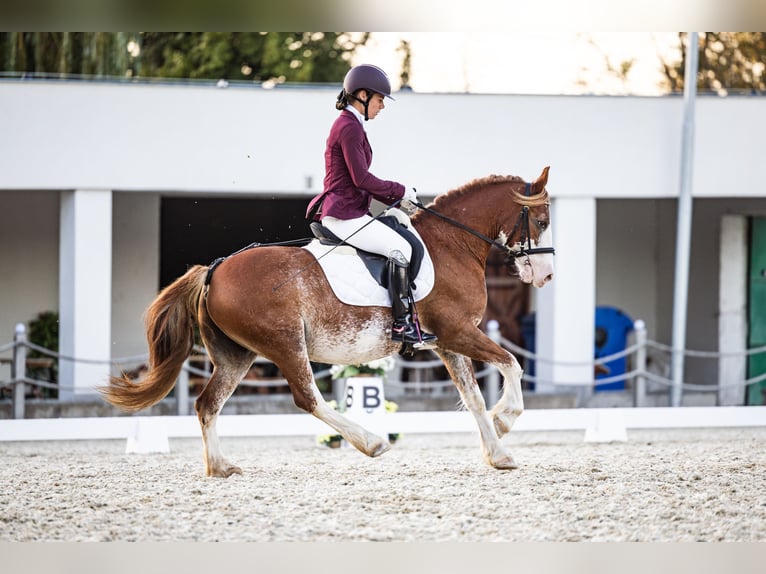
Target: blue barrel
(612,330)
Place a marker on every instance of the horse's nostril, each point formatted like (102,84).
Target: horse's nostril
(548,277)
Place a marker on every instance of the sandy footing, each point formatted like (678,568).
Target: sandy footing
(679,485)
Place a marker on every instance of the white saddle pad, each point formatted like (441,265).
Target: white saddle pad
(351,281)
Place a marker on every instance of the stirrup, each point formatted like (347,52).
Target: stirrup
(408,332)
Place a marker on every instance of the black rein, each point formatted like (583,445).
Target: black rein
(522,222)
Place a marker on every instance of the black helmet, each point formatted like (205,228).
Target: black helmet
(369,77)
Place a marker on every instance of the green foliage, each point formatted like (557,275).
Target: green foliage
(44,331)
(252,56)
(728,61)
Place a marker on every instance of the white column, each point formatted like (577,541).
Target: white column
(565,328)
(85,290)
(732,309)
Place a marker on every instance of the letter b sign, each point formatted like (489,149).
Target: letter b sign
(364,394)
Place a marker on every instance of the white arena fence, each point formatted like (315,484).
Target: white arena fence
(646,362)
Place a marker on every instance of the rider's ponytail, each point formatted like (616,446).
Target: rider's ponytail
(342,100)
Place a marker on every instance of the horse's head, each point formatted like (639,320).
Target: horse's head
(529,237)
(501,211)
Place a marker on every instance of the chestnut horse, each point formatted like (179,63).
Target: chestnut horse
(241,314)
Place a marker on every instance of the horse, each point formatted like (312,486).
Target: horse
(247,308)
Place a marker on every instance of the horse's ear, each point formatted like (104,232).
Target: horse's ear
(541,182)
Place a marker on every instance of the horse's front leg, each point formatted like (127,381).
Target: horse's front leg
(461,371)
(511,403)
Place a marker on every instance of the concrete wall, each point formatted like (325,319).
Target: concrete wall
(251,140)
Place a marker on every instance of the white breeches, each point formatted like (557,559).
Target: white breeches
(376,237)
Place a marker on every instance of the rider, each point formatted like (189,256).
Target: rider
(349,187)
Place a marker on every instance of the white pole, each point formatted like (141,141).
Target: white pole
(182,390)
(19,370)
(493,378)
(684,227)
(639,388)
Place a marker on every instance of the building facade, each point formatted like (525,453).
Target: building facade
(109,189)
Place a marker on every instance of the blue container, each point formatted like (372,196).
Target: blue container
(612,330)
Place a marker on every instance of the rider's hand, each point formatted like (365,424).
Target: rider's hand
(410,195)
(408,201)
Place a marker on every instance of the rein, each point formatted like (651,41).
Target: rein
(522,222)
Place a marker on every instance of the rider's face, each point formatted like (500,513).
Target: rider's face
(376,105)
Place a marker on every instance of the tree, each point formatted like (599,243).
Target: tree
(728,61)
(272,56)
(255,56)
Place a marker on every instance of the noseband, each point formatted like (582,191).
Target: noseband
(522,222)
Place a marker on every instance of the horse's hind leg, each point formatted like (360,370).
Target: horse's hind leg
(208,406)
(231,363)
(459,367)
(297,370)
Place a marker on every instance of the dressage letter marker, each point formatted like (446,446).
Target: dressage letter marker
(365,402)
(364,395)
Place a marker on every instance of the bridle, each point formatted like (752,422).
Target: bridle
(522,223)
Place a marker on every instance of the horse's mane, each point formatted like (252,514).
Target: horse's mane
(493,180)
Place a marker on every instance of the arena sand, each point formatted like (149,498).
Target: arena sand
(677,485)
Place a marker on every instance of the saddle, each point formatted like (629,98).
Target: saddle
(376,264)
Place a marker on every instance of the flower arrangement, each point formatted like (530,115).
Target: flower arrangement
(378,367)
(335,440)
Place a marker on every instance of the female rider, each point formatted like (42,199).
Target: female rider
(349,187)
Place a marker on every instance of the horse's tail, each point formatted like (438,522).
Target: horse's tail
(170,322)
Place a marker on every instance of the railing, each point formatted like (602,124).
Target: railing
(490,378)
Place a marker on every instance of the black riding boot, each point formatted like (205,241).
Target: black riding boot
(404,328)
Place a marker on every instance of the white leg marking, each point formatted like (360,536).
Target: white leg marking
(511,404)
(494,453)
(362,439)
(215,463)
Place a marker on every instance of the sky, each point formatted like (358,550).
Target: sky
(525,63)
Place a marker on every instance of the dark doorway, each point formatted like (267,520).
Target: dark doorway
(199,230)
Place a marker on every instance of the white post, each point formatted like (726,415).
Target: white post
(684,227)
(182,390)
(732,310)
(493,378)
(566,310)
(19,370)
(639,384)
(85,291)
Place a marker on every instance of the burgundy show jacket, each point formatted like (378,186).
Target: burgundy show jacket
(348,184)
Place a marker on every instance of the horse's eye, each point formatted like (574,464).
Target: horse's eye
(542,224)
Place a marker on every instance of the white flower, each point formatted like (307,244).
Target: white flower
(385,364)
(377,367)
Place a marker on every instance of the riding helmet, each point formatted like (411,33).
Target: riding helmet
(369,77)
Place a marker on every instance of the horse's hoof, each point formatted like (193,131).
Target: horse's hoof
(382,448)
(505,463)
(225,472)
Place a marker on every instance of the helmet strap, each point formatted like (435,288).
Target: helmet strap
(365,103)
